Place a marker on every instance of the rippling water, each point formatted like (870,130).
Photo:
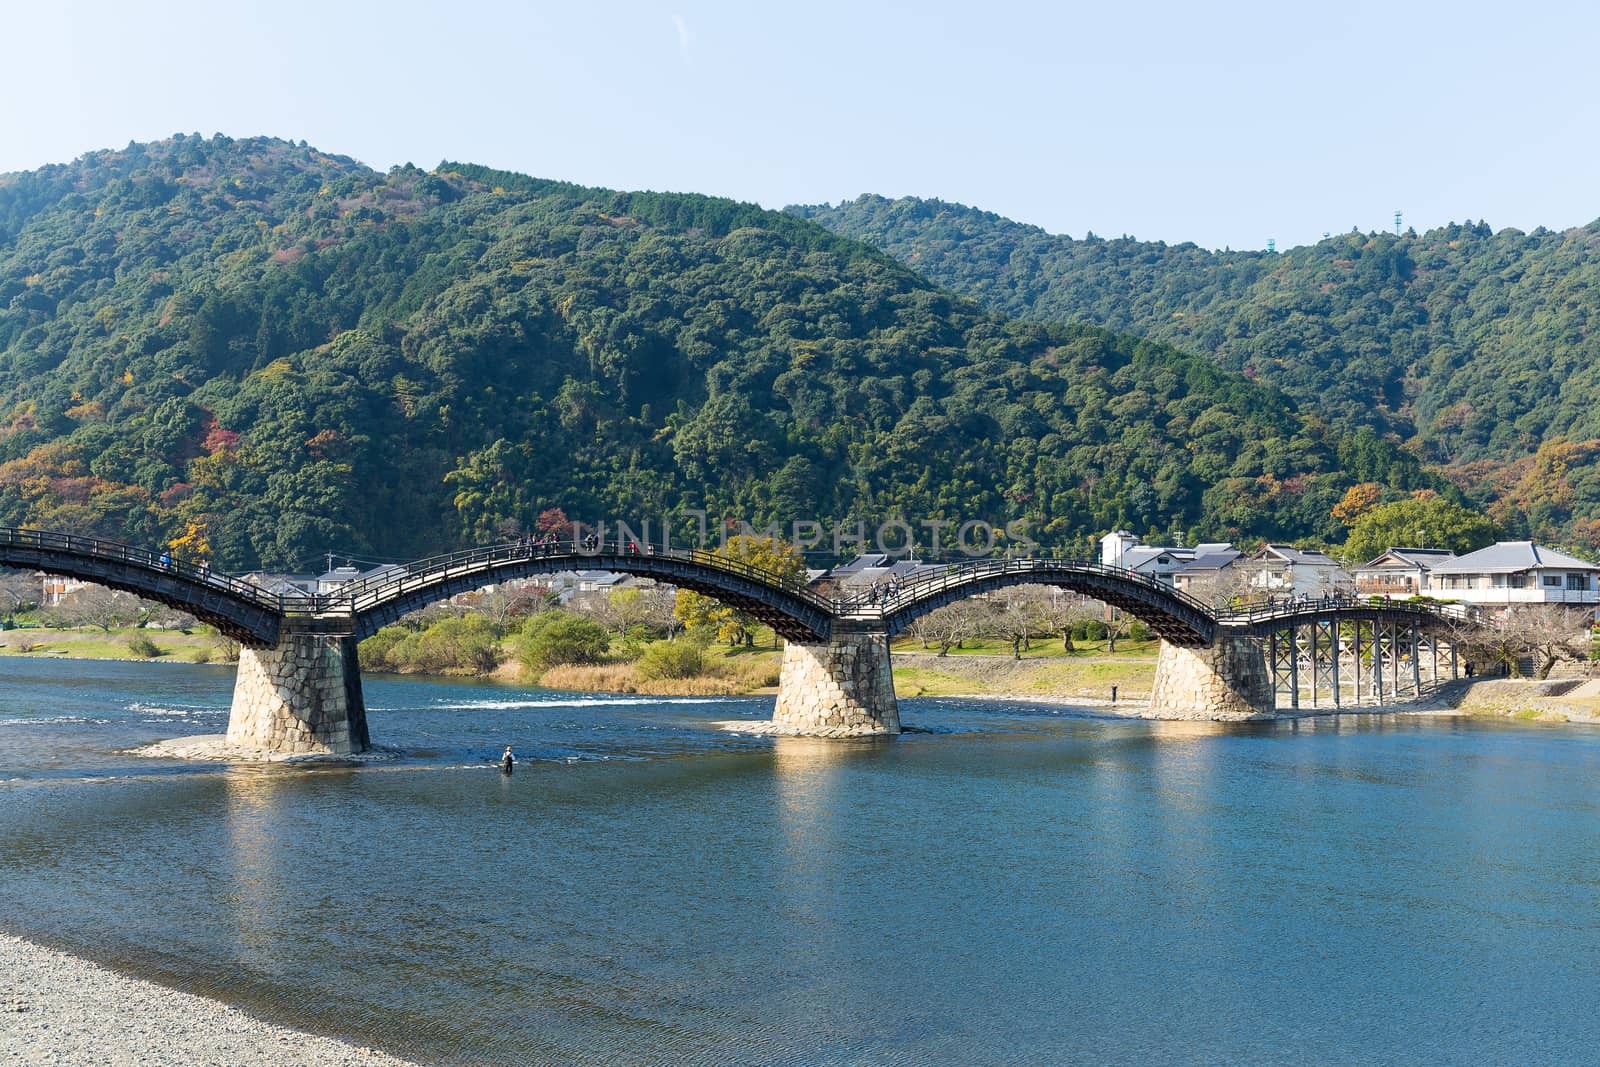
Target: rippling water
(1013,886)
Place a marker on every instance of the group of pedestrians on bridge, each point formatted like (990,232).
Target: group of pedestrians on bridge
(880,593)
(203,568)
(533,545)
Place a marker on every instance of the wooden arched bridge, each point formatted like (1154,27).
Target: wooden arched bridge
(299,687)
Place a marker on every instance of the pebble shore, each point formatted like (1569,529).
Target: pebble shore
(58,1009)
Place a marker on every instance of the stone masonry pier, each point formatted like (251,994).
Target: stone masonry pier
(1227,681)
(839,689)
(301,696)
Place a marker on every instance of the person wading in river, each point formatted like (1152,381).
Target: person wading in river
(507,761)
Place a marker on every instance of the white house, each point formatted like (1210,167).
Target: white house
(588,585)
(53,588)
(1286,570)
(599,581)
(1518,572)
(1122,549)
(1401,573)
(1206,575)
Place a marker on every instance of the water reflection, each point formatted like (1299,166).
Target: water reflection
(819,813)
(1179,730)
(254,887)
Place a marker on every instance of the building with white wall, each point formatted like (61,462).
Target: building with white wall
(1401,573)
(1518,572)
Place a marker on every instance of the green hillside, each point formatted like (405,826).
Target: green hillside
(283,352)
(1471,349)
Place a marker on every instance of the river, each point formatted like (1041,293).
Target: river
(1010,884)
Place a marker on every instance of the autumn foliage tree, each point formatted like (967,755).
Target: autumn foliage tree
(1357,501)
(777,559)
(192,544)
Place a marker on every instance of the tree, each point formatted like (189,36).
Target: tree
(469,643)
(554,521)
(18,591)
(1232,587)
(160,615)
(1357,501)
(501,604)
(948,627)
(1120,624)
(95,605)
(623,609)
(194,543)
(556,638)
(1425,520)
(660,616)
(224,647)
(777,560)
(1549,633)
(921,628)
(1067,611)
(1018,613)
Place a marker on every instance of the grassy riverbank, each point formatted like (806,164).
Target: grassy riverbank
(979,668)
(199,646)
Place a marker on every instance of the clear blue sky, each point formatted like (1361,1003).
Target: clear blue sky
(1222,123)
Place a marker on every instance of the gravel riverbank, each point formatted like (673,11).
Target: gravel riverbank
(58,1009)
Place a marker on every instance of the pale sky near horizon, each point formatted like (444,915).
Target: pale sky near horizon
(1224,123)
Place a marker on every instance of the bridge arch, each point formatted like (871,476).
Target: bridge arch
(794,613)
(1175,617)
(244,612)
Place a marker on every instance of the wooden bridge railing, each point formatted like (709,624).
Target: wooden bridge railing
(896,594)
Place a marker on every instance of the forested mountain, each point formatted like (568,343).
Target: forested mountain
(279,352)
(1471,349)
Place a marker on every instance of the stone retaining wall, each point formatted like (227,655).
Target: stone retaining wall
(841,689)
(302,696)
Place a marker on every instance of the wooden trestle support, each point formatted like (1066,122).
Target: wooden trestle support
(1353,662)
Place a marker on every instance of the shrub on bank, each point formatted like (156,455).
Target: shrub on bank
(143,647)
(377,652)
(671,659)
(464,644)
(1089,630)
(467,643)
(556,638)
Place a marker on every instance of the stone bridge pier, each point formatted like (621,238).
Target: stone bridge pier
(301,696)
(1226,681)
(840,688)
